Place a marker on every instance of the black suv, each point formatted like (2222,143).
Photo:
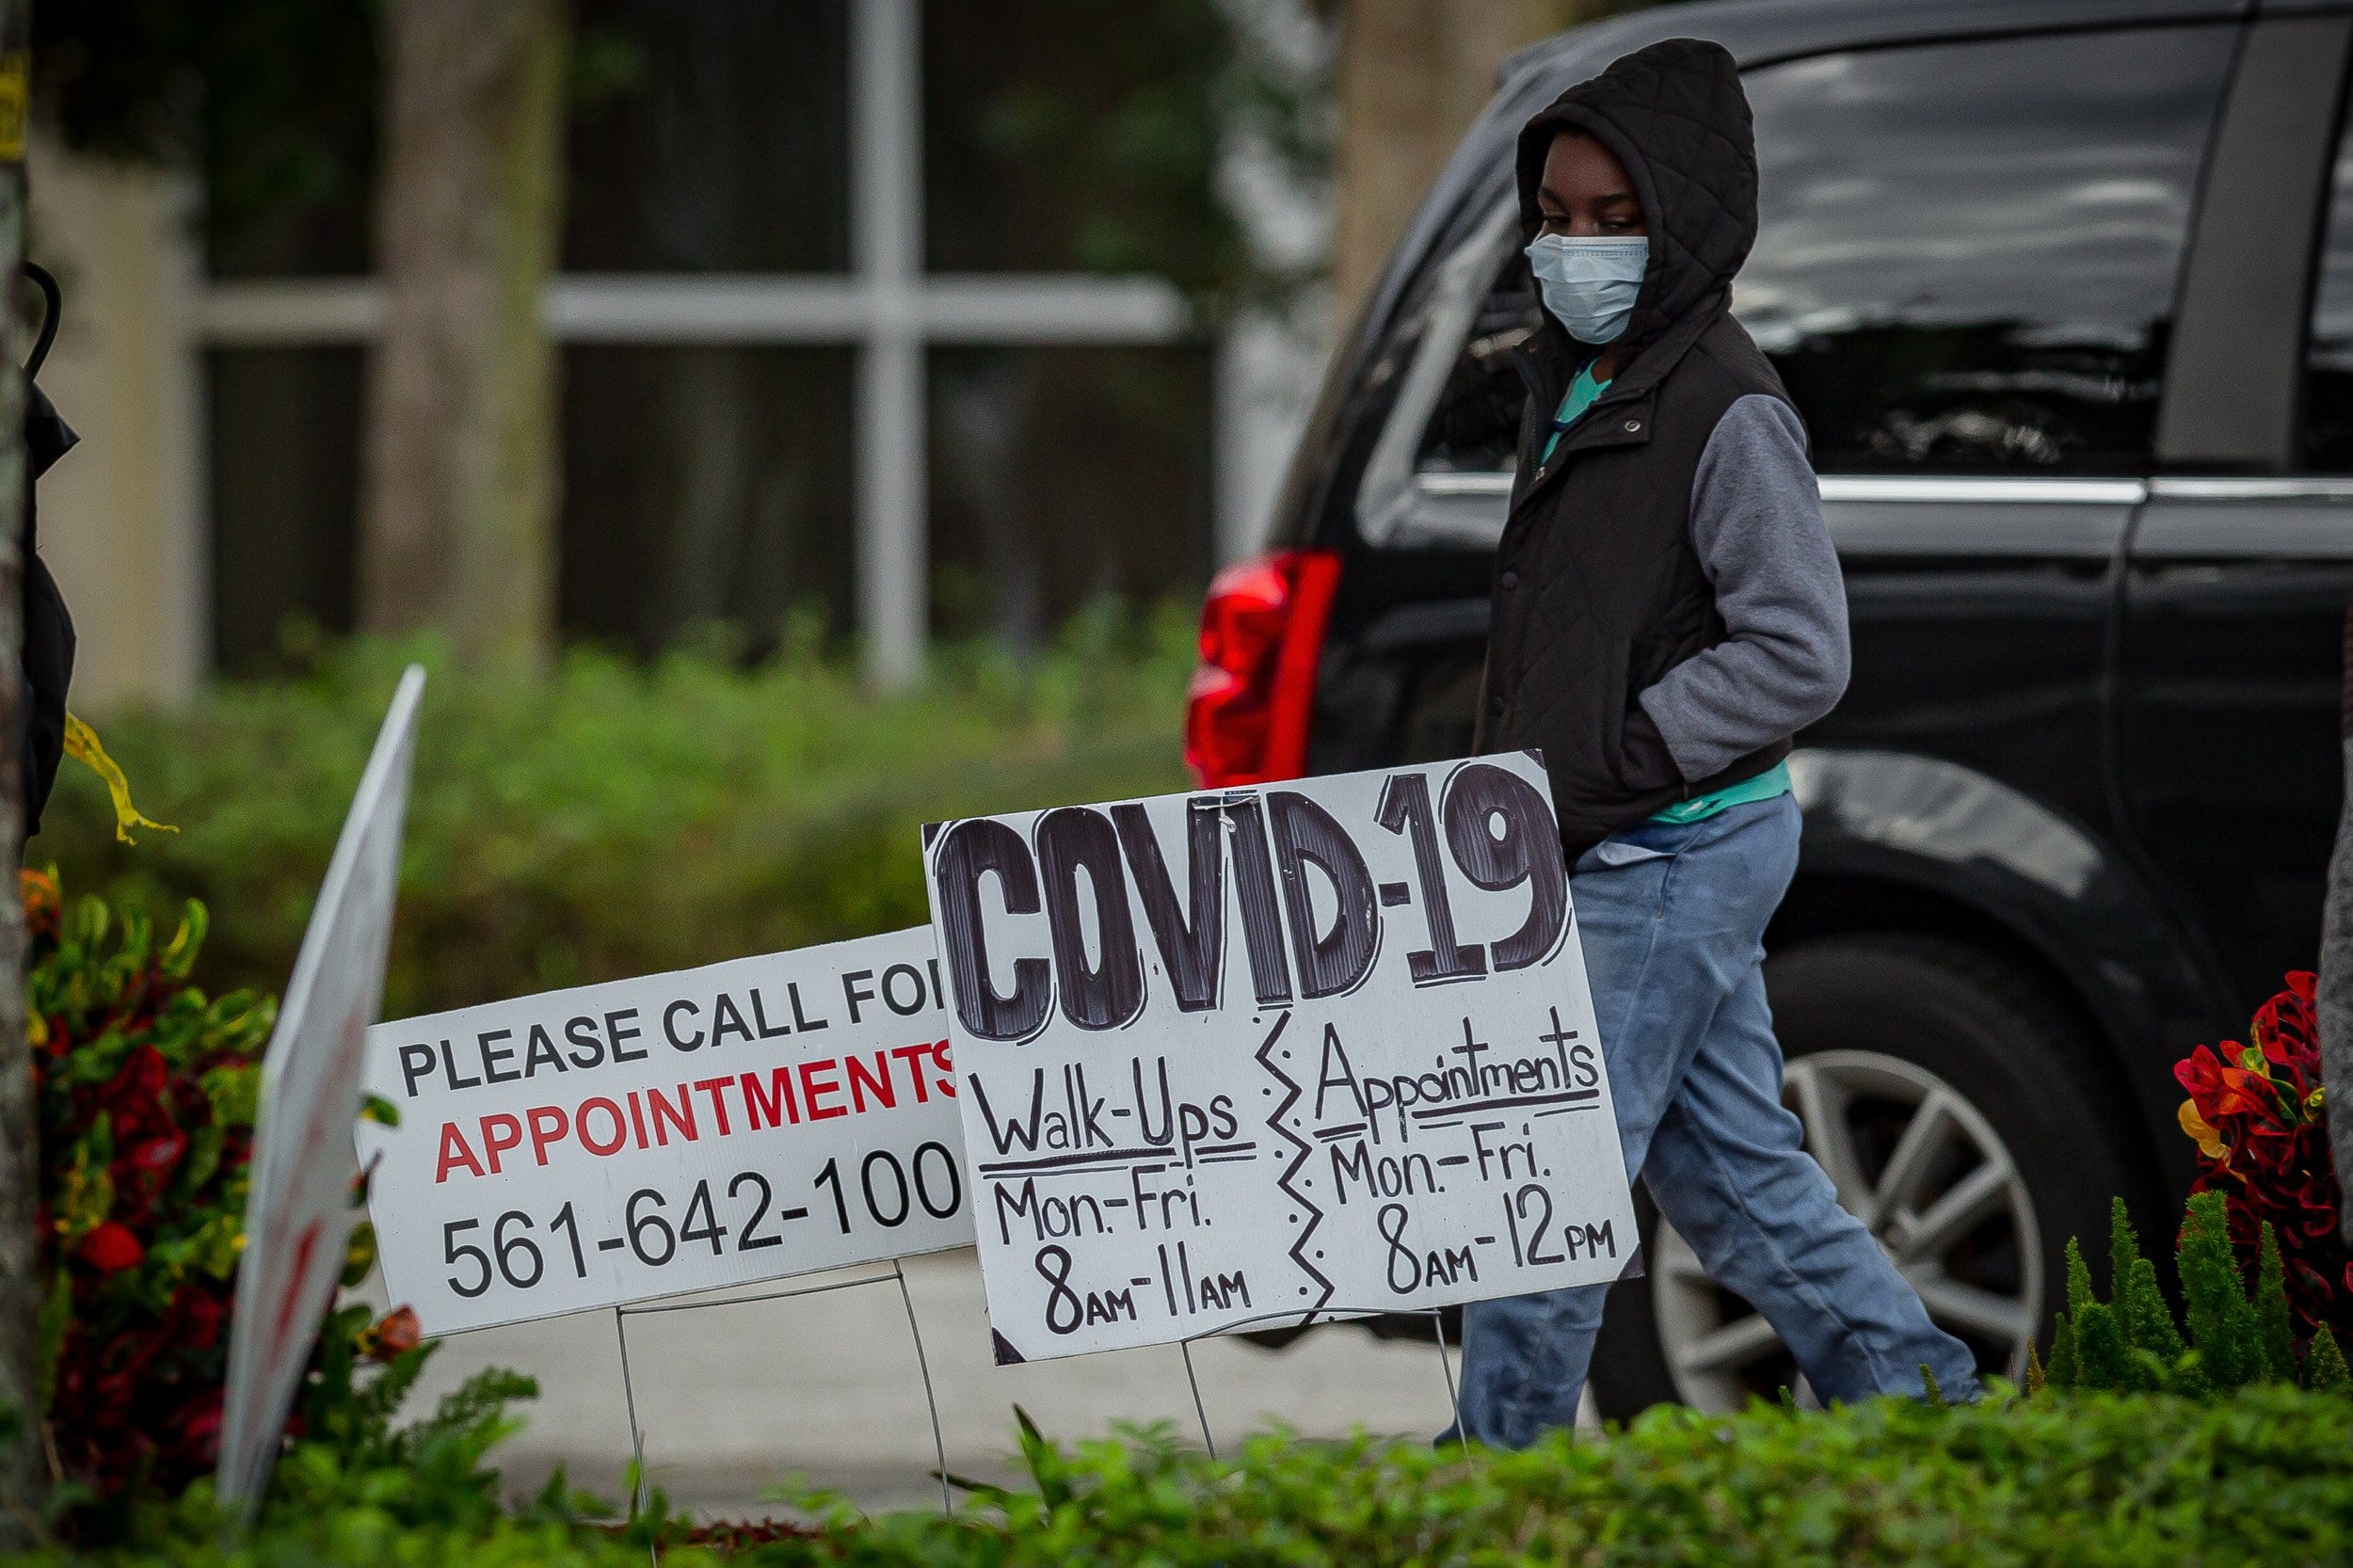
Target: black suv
(2064,290)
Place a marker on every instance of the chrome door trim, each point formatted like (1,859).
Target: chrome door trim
(1436,483)
(2302,487)
(1999,516)
(1873,513)
(1897,487)
(1993,487)
(2299,518)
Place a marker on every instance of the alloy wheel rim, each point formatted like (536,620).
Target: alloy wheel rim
(1936,1186)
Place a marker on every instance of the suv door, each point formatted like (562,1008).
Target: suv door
(2232,664)
(1965,277)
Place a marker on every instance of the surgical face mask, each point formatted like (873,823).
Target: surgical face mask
(1589,284)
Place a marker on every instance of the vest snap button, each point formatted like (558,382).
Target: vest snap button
(1632,425)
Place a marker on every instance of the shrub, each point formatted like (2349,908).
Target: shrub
(2131,1341)
(2101,1481)
(360,1489)
(2256,1112)
(622,818)
(145,1091)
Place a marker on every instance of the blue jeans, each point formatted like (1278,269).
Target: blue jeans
(1672,919)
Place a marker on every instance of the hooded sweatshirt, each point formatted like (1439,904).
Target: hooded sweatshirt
(1668,609)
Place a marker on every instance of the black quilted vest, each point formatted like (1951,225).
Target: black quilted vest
(1598,590)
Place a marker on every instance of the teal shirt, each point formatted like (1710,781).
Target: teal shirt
(1764,786)
(1583,394)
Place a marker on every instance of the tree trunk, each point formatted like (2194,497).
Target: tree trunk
(23,1473)
(459,516)
(1413,76)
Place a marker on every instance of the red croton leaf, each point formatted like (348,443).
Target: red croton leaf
(2266,1151)
(393,1335)
(2220,1091)
(110,1248)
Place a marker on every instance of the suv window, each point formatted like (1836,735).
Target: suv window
(1969,251)
(1967,265)
(1476,425)
(2329,351)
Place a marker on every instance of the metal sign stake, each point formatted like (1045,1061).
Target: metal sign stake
(1454,1398)
(931,1400)
(922,1363)
(637,1438)
(1437,1323)
(1198,1408)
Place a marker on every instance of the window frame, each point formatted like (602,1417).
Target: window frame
(2282,443)
(1400,503)
(2256,243)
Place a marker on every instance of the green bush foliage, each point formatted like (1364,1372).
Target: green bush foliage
(359,1488)
(2101,1480)
(622,818)
(148,1094)
(2124,1480)
(145,1089)
(2131,1342)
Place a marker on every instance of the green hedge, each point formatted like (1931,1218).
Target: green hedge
(622,819)
(2092,1480)
(2129,1480)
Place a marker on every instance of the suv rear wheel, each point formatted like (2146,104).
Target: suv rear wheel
(1954,1103)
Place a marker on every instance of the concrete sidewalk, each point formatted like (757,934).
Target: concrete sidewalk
(734,1399)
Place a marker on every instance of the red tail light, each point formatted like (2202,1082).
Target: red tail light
(1261,629)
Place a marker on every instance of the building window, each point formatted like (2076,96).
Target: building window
(1063,478)
(705,484)
(761,315)
(285,478)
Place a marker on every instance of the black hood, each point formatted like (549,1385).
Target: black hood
(1676,117)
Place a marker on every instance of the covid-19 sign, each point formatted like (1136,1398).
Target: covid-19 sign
(1263,1055)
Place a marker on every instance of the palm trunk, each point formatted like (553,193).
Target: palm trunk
(458,515)
(21,1284)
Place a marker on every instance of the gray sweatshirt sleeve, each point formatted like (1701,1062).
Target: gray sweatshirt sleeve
(1756,522)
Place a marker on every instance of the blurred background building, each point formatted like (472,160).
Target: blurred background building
(885,320)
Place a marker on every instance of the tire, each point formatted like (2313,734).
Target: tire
(1885,1025)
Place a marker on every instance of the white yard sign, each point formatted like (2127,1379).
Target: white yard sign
(299,1210)
(585,1148)
(1267,1054)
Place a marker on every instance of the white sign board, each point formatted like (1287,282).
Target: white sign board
(1262,1055)
(299,1209)
(745,1121)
